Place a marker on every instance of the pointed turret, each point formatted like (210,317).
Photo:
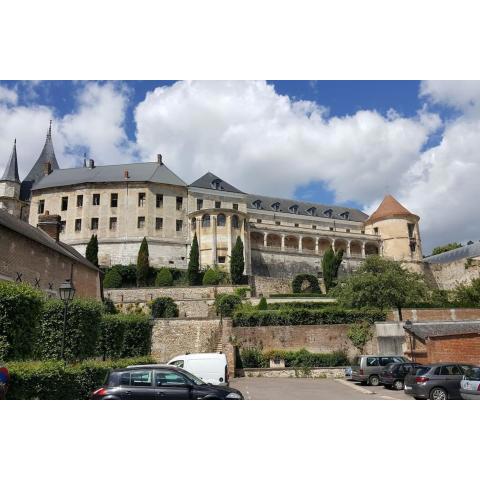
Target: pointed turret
(390,207)
(11,170)
(47,157)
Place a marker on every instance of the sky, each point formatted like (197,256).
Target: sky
(335,142)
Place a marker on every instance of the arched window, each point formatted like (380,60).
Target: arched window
(257,204)
(221,220)
(235,223)
(276,206)
(293,209)
(194,223)
(206,221)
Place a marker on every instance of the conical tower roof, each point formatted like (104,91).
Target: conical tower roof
(37,172)
(11,170)
(390,207)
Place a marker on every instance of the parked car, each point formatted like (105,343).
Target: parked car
(160,382)
(348,373)
(367,368)
(210,367)
(4,380)
(393,375)
(470,384)
(440,381)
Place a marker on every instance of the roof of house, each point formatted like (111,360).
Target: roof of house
(468,251)
(11,170)
(315,210)
(213,182)
(37,235)
(442,329)
(390,207)
(137,172)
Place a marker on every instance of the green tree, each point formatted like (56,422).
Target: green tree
(164,307)
(330,264)
(211,277)
(91,253)
(193,263)
(446,248)
(359,334)
(225,304)
(112,279)
(381,283)
(468,295)
(164,278)
(143,264)
(262,304)
(237,262)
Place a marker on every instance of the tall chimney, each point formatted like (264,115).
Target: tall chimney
(159,158)
(50,224)
(91,163)
(126,175)
(47,168)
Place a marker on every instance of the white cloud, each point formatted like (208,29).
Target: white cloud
(8,96)
(460,94)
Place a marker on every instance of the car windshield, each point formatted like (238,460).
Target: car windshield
(473,374)
(192,377)
(419,371)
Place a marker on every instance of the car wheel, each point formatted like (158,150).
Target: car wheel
(374,381)
(438,393)
(398,385)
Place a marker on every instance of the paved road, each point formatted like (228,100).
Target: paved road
(310,389)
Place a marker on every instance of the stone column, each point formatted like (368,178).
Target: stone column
(348,248)
(229,238)
(316,246)
(333,245)
(265,234)
(283,243)
(300,247)
(213,219)
(198,229)
(363,249)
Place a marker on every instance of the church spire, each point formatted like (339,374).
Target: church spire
(11,170)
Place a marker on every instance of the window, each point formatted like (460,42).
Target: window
(235,223)
(314,227)
(206,221)
(217,184)
(328,213)
(41,206)
(362,232)
(276,206)
(259,220)
(159,200)
(345,215)
(64,203)
(297,225)
(178,363)
(158,223)
(372,362)
(114,200)
(79,200)
(125,378)
(235,206)
(96,199)
(179,203)
(311,211)
(199,203)
(375,230)
(347,230)
(113,223)
(293,209)
(63,225)
(331,229)
(141,222)
(411,229)
(169,378)
(141,199)
(141,378)
(178,225)
(221,220)
(278,223)
(78,224)
(194,223)
(450,370)
(221,259)
(218,204)
(257,204)
(384,361)
(94,223)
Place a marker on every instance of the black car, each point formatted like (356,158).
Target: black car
(160,382)
(394,374)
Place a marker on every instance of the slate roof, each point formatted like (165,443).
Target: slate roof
(390,207)
(320,210)
(468,251)
(37,235)
(11,170)
(442,329)
(207,181)
(37,172)
(137,172)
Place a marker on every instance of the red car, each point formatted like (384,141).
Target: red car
(4,379)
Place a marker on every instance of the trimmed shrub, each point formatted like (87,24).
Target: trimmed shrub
(143,264)
(112,332)
(112,279)
(295,305)
(52,380)
(252,357)
(20,310)
(312,280)
(193,263)
(306,316)
(293,295)
(305,359)
(242,292)
(164,307)
(262,304)
(225,304)
(82,329)
(211,277)
(164,278)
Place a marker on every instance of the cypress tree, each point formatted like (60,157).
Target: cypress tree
(143,265)
(193,263)
(91,253)
(330,265)
(237,262)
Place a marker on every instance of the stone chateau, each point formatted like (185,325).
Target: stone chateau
(122,204)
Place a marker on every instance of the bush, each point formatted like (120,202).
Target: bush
(211,277)
(360,333)
(225,304)
(164,307)
(293,295)
(312,280)
(164,278)
(193,263)
(82,329)
(242,292)
(137,336)
(109,306)
(305,316)
(296,305)
(112,279)
(20,310)
(52,380)
(262,304)
(252,357)
(237,262)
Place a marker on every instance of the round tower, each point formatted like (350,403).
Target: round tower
(398,230)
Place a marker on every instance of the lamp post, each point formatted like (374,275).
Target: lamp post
(67,292)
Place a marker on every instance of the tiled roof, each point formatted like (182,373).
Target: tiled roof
(442,329)
(389,207)
(11,170)
(212,182)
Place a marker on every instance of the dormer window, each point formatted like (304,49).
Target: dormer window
(293,209)
(311,211)
(217,184)
(276,206)
(257,204)
(328,213)
(345,215)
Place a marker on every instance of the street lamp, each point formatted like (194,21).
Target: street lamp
(67,292)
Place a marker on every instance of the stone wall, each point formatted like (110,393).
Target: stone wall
(448,275)
(325,372)
(267,286)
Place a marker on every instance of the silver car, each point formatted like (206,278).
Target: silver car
(367,368)
(470,385)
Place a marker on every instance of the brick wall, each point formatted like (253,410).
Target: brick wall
(435,314)
(454,348)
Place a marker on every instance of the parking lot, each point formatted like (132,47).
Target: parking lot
(311,389)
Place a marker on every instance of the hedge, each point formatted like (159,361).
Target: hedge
(313,285)
(20,310)
(305,316)
(310,305)
(52,380)
(225,304)
(164,278)
(304,294)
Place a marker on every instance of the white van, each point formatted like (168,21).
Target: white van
(210,367)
